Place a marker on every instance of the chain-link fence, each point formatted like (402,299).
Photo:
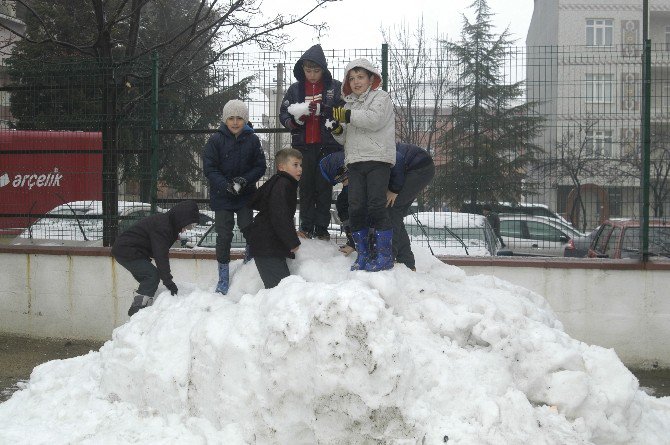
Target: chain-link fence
(550,132)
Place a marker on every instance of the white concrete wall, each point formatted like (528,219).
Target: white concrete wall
(628,310)
(86,297)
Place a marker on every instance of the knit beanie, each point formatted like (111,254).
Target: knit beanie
(235,108)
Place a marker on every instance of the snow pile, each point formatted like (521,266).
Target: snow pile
(338,357)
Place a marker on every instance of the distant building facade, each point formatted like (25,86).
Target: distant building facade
(584,67)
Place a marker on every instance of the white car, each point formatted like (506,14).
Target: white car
(451,233)
(536,235)
(80,223)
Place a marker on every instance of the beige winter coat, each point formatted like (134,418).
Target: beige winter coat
(370,134)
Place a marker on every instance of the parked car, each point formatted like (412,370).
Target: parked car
(579,247)
(452,233)
(536,235)
(523,208)
(621,239)
(80,223)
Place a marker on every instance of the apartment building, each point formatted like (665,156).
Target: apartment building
(584,67)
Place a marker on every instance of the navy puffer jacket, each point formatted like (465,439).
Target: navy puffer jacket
(226,157)
(331,97)
(408,157)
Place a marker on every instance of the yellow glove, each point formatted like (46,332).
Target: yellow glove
(341,115)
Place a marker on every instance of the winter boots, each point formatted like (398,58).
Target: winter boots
(139,302)
(224,278)
(383,259)
(362,247)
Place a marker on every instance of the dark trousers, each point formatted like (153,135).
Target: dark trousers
(271,269)
(368,182)
(315,192)
(224,223)
(144,272)
(415,181)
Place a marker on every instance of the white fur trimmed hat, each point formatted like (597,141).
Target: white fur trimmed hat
(234,108)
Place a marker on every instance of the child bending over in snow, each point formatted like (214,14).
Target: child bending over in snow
(151,237)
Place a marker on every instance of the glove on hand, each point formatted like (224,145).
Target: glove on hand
(334,126)
(341,115)
(238,184)
(314,108)
(172,287)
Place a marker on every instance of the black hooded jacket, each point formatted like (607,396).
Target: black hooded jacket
(331,97)
(272,233)
(151,237)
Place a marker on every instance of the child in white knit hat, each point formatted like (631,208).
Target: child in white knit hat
(233,161)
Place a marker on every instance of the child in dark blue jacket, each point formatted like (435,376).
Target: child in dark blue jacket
(233,161)
(413,171)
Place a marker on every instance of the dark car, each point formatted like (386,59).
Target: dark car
(621,239)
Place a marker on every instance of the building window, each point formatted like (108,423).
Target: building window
(599,144)
(599,88)
(599,32)
(615,201)
(667,38)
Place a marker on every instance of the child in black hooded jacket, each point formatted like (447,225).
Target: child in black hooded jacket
(272,236)
(152,237)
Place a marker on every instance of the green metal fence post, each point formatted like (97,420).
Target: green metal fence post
(385,66)
(646,134)
(154,130)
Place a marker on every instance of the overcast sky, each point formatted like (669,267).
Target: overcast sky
(357,23)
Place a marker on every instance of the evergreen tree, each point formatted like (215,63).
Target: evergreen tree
(489,143)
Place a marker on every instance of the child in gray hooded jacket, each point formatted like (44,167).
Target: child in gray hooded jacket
(366,128)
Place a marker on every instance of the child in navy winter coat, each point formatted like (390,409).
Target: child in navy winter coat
(233,161)
(413,171)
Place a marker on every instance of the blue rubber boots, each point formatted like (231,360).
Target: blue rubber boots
(224,278)
(362,248)
(383,259)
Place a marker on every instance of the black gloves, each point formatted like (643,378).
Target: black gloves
(236,186)
(341,115)
(172,287)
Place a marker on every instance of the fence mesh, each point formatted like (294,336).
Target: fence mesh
(557,135)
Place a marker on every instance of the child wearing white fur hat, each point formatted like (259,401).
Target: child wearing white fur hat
(233,161)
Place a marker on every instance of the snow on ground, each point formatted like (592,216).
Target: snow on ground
(338,357)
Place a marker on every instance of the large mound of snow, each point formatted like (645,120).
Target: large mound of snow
(338,357)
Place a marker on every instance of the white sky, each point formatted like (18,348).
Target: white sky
(357,23)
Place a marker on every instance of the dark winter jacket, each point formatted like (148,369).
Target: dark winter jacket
(226,157)
(331,97)
(272,233)
(408,157)
(151,237)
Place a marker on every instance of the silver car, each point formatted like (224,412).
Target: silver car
(536,235)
